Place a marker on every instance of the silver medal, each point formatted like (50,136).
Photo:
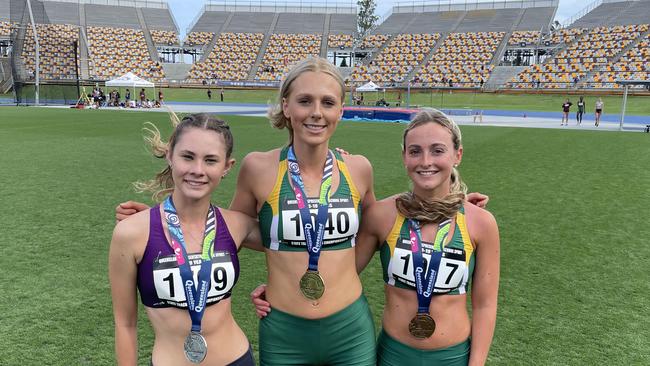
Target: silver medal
(195,347)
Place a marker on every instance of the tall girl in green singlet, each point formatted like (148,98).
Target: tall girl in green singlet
(335,328)
(463,236)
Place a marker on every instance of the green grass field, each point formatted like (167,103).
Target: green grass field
(637,105)
(572,207)
(525,102)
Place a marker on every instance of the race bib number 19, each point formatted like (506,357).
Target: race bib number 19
(169,285)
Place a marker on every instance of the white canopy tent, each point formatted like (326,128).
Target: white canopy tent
(372,87)
(130,80)
(368,87)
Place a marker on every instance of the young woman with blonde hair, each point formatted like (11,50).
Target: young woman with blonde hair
(433,248)
(181,255)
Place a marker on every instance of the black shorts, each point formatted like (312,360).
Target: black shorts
(599,111)
(246,359)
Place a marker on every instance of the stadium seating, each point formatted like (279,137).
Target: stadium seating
(339,40)
(198,38)
(231,58)
(57,49)
(163,37)
(592,50)
(463,60)
(374,41)
(396,60)
(116,51)
(633,65)
(525,37)
(284,50)
(5,29)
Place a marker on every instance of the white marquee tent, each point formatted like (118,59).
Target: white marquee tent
(130,80)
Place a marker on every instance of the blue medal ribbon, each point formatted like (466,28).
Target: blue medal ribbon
(196,294)
(424,280)
(314,232)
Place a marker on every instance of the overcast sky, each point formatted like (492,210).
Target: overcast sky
(186,10)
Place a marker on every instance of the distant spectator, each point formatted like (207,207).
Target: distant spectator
(221,94)
(127,96)
(581,110)
(599,110)
(143,96)
(209,94)
(382,103)
(160,97)
(566,106)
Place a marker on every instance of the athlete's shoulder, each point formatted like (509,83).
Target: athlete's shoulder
(480,222)
(357,162)
(259,163)
(262,156)
(134,228)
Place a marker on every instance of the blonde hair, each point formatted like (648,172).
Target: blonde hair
(434,210)
(313,64)
(163,184)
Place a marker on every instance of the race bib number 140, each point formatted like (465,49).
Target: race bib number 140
(342,221)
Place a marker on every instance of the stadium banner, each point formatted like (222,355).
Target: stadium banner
(263,84)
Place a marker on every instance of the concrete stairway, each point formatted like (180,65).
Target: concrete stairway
(84,51)
(501,75)
(326,32)
(498,54)
(176,72)
(208,49)
(147,36)
(260,56)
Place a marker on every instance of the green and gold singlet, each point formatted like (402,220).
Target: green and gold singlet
(456,266)
(279,216)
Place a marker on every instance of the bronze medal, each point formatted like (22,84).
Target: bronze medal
(312,285)
(422,326)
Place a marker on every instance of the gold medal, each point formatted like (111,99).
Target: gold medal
(312,285)
(422,326)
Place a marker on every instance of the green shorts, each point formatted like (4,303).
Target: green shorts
(343,338)
(391,352)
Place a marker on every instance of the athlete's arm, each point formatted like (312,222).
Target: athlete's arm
(366,242)
(254,239)
(128,208)
(483,229)
(122,272)
(244,199)
(362,177)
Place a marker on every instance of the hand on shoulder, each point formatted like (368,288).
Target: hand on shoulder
(132,229)
(480,222)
